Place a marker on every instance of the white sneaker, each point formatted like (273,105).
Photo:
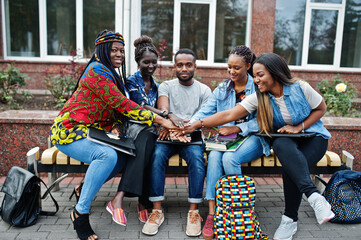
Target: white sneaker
(194,221)
(321,207)
(286,229)
(153,223)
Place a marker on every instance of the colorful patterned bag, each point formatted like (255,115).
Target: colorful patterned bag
(343,192)
(235,217)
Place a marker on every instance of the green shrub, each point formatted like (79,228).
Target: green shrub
(62,85)
(338,95)
(10,81)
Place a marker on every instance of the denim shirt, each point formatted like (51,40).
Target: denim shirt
(224,98)
(136,89)
(298,108)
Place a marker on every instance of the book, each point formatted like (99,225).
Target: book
(196,139)
(121,144)
(296,135)
(230,137)
(213,143)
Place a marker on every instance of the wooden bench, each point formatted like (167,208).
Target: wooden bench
(53,161)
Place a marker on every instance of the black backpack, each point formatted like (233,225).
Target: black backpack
(21,205)
(343,192)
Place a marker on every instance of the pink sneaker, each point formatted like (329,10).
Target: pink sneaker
(143,215)
(118,214)
(208,228)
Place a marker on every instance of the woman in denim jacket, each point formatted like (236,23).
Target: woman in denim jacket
(225,97)
(286,105)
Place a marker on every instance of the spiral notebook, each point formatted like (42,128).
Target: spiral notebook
(121,144)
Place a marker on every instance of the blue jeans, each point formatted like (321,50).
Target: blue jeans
(220,163)
(104,162)
(193,155)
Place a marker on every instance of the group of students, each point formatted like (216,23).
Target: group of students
(259,96)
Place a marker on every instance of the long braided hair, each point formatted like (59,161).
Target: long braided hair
(104,43)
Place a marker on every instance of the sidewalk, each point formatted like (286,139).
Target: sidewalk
(269,207)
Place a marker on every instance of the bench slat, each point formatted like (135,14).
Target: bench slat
(177,165)
(333,159)
(49,155)
(62,159)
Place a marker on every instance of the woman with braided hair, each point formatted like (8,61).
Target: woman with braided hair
(99,100)
(224,97)
(143,90)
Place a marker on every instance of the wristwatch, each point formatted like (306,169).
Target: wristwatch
(162,113)
(167,114)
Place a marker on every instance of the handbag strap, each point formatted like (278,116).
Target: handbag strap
(49,213)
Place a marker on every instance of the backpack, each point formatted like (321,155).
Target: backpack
(235,217)
(343,192)
(21,205)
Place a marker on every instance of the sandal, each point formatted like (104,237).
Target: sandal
(76,192)
(82,225)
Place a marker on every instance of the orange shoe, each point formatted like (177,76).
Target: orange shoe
(118,214)
(143,215)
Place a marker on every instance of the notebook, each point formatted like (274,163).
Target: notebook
(297,135)
(196,137)
(121,144)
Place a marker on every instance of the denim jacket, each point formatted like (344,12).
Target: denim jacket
(224,98)
(136,89)
(298,108)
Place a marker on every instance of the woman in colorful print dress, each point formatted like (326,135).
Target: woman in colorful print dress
(99,101)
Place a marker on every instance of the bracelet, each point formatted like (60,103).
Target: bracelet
(303,127)
(167,114)
(162,114)
(201,120)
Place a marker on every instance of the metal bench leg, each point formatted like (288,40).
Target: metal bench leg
(318,183)
(347,158)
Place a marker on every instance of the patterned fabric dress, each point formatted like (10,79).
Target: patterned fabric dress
(93,105)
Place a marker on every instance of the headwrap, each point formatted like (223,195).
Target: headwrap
(109,37)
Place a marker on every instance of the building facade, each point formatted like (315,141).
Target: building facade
(318,38)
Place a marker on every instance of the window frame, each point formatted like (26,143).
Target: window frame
(127,22)
(336,66)
(211,30)
(44,57)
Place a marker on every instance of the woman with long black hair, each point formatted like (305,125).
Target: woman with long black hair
(285,105)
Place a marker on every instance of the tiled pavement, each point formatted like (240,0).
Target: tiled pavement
(269,206)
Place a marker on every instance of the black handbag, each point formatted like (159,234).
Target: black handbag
(21,205)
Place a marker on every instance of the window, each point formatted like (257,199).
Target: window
(61,27)
(210,28)
(97,16)
(319,34)
(53,29)
(22,28)
(351,43)
(231,27)
(157,22)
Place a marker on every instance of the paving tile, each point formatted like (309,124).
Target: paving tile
(269,209)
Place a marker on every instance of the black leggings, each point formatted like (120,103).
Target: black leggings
(297,155)
(135,176)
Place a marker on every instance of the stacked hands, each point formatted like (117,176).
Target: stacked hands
(176,129)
